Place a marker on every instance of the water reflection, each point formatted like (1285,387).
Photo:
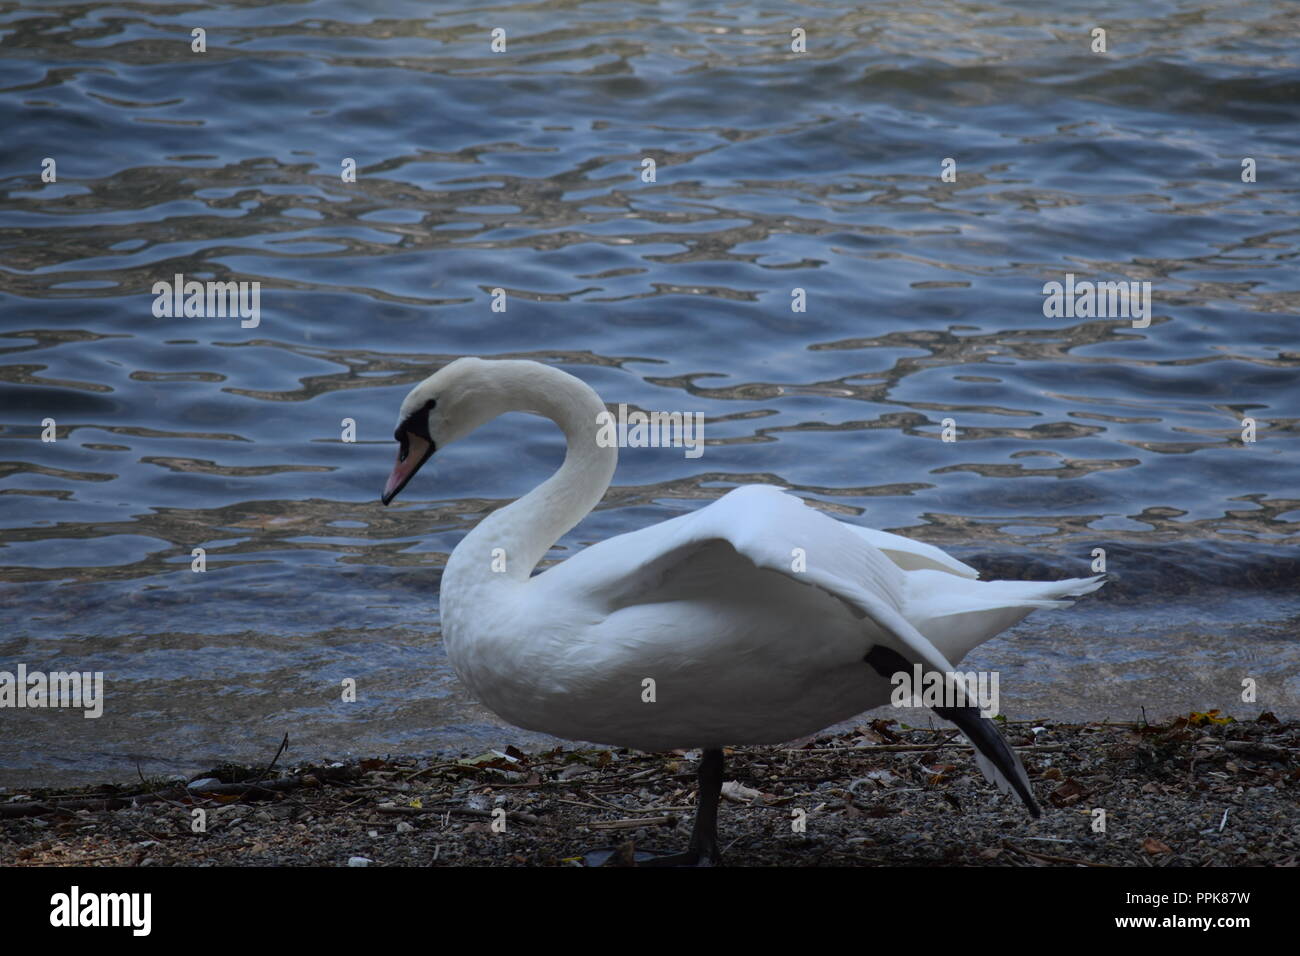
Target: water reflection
(774,172)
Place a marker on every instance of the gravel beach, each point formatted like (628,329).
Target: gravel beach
(1195,790)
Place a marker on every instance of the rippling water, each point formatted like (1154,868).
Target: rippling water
(522,171)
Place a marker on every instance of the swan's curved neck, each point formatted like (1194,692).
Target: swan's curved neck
(508,544)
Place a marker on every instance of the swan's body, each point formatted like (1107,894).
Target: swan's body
(756,617)
(741,649)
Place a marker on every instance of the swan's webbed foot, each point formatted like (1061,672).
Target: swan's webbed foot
(694,856)
(703,849)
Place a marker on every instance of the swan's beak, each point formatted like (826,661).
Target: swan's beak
(415,451)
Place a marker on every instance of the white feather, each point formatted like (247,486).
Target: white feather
(744,622)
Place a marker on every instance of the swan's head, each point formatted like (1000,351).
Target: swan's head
(447,405)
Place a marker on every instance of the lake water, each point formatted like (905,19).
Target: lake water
(523,171)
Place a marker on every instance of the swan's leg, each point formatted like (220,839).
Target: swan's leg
(703,849)
(704,837)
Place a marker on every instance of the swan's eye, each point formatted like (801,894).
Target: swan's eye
(416,423)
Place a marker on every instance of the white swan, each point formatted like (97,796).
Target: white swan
(742,647)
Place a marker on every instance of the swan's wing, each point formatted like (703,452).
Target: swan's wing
(913,555)
(769,529)
(765,528)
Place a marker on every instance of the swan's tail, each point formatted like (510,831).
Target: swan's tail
(1035,594)
(957,615)
(994,756)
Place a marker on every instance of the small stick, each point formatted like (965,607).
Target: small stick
(283,744)
(630,824)
(1048,858)
(78,862)
(516,815)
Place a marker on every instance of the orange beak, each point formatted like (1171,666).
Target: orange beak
(415,451)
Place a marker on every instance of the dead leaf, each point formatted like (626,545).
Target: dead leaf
(881,727)
(940,772)
(738,793)
(491,760)
(1068,793)
(1154,846)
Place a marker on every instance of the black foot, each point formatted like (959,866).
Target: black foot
(689,858)
(703,850)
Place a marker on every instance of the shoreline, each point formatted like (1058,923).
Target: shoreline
(1196,790)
